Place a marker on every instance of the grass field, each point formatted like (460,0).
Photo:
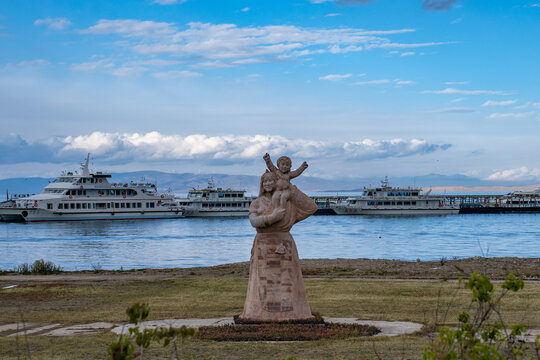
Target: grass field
(72,302)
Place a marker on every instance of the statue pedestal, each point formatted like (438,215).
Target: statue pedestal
(276,289)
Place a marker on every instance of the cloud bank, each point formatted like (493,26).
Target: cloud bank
(522,173)
(121,148)
(207,45)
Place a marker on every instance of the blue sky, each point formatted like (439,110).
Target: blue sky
(356,88)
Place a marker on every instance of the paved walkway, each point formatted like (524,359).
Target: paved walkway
(388,328)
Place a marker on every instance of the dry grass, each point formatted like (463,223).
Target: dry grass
(95,347)
(73,303)
(218,297)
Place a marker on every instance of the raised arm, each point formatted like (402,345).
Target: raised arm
(269,164)
(298,171)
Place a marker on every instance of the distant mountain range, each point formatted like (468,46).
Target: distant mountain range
(181,183)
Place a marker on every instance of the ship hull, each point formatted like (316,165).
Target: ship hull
(394,212)
(210,213)
(39,215)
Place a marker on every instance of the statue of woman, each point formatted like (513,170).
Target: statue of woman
(276,289)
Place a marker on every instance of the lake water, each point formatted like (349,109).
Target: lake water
(203,242)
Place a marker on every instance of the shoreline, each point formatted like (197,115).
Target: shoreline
(369,269)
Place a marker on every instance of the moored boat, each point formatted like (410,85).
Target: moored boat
(215,202)
(90,196)
(387,200)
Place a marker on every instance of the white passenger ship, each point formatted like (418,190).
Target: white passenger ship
(87,196)
(387,200)
(215,202)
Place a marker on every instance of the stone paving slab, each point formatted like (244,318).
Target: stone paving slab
(15,326)
(176,323)
(35,330)
(81,329)
(388,328)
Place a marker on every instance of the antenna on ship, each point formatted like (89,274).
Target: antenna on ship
(84,166)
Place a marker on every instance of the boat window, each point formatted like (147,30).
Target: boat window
(60,206)
(100,205)
(393,203)
(387,203)
(414,193)
(400,203)
(123,205)
(78,205)
(406,203)
(72,206)
(427,202)
(84,205)
(220,195)
(128,205)
(413,202)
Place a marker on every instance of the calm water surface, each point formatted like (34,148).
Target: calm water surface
(204,242)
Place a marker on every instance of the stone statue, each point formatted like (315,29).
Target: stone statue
(276,289)
(283,175)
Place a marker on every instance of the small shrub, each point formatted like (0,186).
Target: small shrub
(97,268)
(41,267)
(123,348)
(476,338)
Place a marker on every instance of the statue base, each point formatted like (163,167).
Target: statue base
(276,290)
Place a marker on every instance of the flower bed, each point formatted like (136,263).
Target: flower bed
(285,332)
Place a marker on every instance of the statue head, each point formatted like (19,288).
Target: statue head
(268,183)
(284,164)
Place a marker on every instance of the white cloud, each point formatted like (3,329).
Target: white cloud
(56,24)
(128,71)
(457,100)
(528,105)
(333,14)
(131,28)
(390,45)
(372,82)
(335,77)
(29,64)
(93,65)
(175,74)
(206,44)
(499,103)
(453,110)
(510,115)
(168,2)
(408,53)
(125,147)
(404,82)
(246,9)
(522,173)
(456,82)
(452,91)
